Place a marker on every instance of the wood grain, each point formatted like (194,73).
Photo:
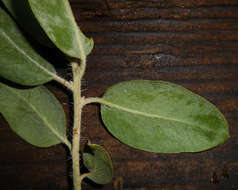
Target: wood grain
(192,43)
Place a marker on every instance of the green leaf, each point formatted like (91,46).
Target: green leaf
(23,15)
(86,43)
(57,20)
(18,60)
(159,116)
(34,114)
(99,163)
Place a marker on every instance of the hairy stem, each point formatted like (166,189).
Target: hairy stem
(77,75)
(63,82)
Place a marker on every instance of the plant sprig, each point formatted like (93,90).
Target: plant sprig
(154,116)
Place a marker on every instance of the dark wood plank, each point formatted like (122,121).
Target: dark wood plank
(192,43)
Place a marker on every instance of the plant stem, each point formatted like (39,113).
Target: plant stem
(63,82)
(77,75)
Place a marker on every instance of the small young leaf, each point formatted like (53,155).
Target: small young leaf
(99,163)
(162,117)
(56,18)
(34,114)
(21,11)
(18,60)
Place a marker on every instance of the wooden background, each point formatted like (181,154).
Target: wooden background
(192,43)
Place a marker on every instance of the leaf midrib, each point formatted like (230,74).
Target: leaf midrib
(144,114)
(61,138)
(25,54)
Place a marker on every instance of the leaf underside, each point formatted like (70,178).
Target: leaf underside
(18,60)
(99,163)
(57,20)
(34,114)
(159,116)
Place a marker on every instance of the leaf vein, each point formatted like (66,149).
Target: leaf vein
(60,137)
(27,56)
(143,113)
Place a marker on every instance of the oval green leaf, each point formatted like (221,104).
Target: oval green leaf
(34,114)
(18,60)
(23,15)
(98,162)
(57,20)
(159,116)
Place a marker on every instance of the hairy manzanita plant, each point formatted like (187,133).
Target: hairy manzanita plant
(154,116)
